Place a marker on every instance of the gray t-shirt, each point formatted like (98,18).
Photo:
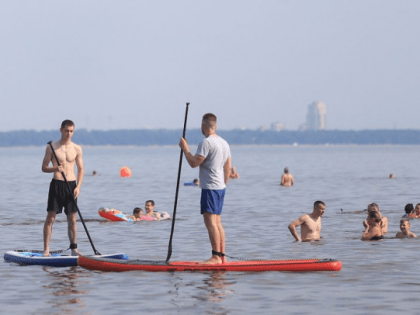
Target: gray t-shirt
(216,151)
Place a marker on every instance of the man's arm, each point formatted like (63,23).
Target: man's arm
(46,161)
(294,224)
(80,170)
(193,160)
(282,180)
(226,170)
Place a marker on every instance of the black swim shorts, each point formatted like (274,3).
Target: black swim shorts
(59,197)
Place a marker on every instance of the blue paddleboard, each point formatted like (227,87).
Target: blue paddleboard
(57,259)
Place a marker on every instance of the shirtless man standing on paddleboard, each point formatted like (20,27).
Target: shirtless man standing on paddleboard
(214,158)
(310,224)
(58,197)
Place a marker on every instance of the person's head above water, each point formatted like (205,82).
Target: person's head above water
(319,207)
(138,212)
(375,216)
(373,207)
(286,170)
(150,206)
(405,225)
(408,208)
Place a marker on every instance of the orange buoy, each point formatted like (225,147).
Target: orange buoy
(125,171)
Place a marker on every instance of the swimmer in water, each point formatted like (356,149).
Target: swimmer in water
(196,182)
(287,179)
(310,224)
(417,210)
(373,231)
(405,229)
(384,220)
(150,207)
(137,214)
(409,211)
(391,176)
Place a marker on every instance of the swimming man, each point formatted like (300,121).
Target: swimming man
(287,179)
(150,207)
(310,224)
(405,229)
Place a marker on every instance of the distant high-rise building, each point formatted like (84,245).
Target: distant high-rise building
(316,117)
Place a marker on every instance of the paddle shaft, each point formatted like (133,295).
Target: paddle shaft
(177,188)
(74,200)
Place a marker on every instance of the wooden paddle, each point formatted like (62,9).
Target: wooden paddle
(177,188)
(74,200)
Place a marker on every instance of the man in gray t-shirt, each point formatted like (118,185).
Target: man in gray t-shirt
(214,158)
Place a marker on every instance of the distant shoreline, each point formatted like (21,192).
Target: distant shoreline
(87,146)
(163,137)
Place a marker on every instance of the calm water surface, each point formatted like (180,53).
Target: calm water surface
(377,277)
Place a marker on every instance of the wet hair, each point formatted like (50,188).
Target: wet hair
(408,208)
(375,215)
(286,170)
(195,180)
(137,210)
(66,122)
(151,201)
(319,202)
(404,220)
(210,120)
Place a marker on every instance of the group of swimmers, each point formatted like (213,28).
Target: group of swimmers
(138,214)
(411,211)
(376,225)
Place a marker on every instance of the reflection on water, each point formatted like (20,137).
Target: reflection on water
(201,292)
(215,288)
(64,286)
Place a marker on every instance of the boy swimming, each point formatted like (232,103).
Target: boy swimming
(405,229)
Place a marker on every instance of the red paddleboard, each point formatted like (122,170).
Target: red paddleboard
(103,264)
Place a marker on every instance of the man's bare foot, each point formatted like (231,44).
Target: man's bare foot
(46,253)
(75,252)
(213,260)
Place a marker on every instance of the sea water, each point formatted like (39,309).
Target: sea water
(377,277)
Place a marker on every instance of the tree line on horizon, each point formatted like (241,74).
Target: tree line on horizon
(236,137)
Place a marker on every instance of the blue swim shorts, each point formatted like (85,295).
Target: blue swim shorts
(212,201)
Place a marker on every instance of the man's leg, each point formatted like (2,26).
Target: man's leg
(222,235)
(49,221)
(212,224)
(72,231)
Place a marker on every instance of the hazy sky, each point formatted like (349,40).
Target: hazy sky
(134,64)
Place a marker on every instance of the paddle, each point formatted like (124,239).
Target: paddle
(74,200)
(177,188)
